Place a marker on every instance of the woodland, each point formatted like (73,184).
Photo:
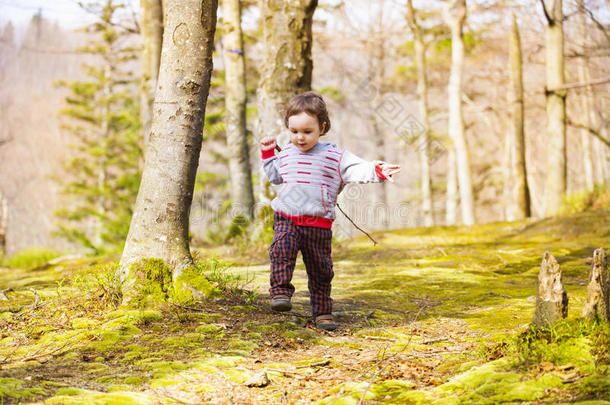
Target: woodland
(136,219)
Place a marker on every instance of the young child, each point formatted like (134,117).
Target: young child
(312,174)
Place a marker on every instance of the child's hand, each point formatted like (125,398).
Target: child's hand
(388,170)
(268,143)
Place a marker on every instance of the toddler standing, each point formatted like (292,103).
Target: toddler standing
(312,174)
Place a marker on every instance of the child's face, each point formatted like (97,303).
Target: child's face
(305,130)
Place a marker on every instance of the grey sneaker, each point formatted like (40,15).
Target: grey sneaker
(281,303)
(325,322)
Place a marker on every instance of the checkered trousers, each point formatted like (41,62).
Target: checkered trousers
(315,245)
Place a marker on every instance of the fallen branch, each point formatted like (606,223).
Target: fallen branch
(3,293)
(317,364)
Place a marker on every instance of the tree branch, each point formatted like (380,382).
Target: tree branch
(546,13)
(582,84)
(592,131)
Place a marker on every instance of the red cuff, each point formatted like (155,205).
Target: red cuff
(378,172)
(266,154)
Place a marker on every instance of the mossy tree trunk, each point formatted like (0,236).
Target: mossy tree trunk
(520,193)
(598,290)
(422,96)
(556,173)
(286,64)
(552,299)
(455,15)
(152,39)
(160,224)
(242,195)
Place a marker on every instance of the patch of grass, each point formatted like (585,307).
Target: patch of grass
(32,257)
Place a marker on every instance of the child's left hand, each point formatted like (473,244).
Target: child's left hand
(387,170)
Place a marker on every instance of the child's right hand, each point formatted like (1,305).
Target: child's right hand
(268,143)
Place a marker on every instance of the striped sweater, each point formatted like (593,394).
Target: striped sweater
(312,180)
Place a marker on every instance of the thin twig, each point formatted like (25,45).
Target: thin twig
(277,147)
(390,358)
(316,364)
(3,293)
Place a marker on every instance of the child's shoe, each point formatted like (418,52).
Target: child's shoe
(325,322)
(281,303)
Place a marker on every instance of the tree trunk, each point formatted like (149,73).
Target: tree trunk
(422,95)
(598,290)
(452,198)
(286,65)
(3,224)
(242,196)
(455,14)
(552,299)
(520,195)
(152,38)
(586,100)
(160,223)
(556,180)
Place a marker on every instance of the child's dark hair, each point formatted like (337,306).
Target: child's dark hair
(312,103)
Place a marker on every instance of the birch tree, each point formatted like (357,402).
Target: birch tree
(520,194)
(242,196)
(152,37)
(586,100)
(286,64)
(422,95)
(556,173)
(455,15)
(160,224)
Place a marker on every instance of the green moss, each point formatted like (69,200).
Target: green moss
(111,398)
(134,380)
(14,388)
(192,285)
(207,328)
(83,323)
(152,286)
(69,391)
(596,385)
(241,345)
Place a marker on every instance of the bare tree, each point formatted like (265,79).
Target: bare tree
(556,180)
(242,196)
(422,95)
(152,38)
(517,178)
(455,15)
(160,223)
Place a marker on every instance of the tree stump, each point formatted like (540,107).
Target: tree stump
(552,299)
(598,290)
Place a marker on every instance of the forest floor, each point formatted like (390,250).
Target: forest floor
(435,315)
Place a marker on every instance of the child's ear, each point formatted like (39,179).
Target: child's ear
(323,127)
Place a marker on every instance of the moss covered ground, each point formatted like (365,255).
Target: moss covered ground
(428,316)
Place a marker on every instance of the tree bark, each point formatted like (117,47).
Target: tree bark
(422,95)
(556,182)
(152,39)
(160,223)
(586,101)
(520,194)
(552,299)
(242,196)
(598,290)
(452,197)
(455,15)
(286,65)
(3,224)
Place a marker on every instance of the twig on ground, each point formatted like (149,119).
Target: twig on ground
(369,315)
(388,339)
(3,293)
(317,364)
(387,361)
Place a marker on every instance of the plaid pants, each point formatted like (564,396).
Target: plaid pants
(315,245)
